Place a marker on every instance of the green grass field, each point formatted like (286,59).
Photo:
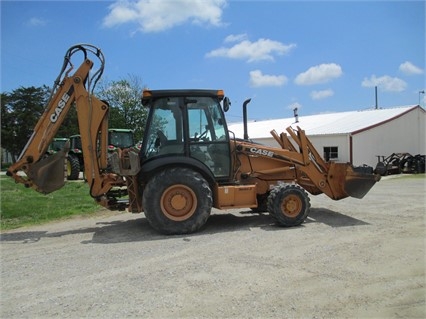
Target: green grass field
(22,206)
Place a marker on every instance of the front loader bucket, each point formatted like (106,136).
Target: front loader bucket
(358,182)
(48,174)
(348,181)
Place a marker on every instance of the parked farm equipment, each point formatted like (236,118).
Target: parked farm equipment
(398,163)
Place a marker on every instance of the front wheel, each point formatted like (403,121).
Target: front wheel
(177,201)
(73,168)
(289,205)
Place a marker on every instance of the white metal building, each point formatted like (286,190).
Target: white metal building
(357,137)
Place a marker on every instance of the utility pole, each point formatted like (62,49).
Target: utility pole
(421,92)
(377,101)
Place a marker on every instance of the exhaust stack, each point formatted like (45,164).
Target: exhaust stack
(245,118)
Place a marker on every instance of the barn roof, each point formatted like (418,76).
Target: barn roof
(324,124)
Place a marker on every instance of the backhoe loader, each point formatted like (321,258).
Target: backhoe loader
(188,163)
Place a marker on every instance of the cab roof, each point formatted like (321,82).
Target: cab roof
(147,95)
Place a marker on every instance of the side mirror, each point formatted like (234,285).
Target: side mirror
(226,104)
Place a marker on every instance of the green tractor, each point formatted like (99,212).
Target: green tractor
(120,138)
(75,155)
(117,138)
(75,162)
(57,144)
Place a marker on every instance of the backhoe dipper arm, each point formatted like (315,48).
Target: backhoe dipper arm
(46,173)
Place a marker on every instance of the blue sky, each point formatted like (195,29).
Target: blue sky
(318,56)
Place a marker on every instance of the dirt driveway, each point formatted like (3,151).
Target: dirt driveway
(351,258)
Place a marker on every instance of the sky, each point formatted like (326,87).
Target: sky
(318,56)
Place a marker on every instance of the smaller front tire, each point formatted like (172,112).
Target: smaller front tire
(73,168)
(289,205)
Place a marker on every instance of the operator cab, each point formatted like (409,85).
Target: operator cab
(186,124)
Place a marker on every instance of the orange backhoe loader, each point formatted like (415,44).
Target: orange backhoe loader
(188,163)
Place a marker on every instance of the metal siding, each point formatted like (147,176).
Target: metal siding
(402,135)
(269,141)
(369,144)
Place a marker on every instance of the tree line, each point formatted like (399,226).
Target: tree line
(22,108)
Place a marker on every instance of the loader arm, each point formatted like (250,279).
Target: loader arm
(305,167)
(46,174)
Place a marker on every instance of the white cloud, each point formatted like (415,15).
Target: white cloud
(36,22)
(262,49)
(257,79)
(409,68)
(385,83)
(318,95)
(235,37)
(155,16)
(319,74)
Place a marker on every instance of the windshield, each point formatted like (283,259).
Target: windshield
(57,145)
(121,139)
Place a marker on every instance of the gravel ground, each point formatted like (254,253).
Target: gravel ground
(351,258)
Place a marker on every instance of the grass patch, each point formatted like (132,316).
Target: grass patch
(23,206)
(411,176)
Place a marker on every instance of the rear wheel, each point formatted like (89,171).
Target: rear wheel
(177,201)
(73,168)
(289,205)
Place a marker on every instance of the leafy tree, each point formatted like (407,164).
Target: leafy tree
(20,111)
(124,99)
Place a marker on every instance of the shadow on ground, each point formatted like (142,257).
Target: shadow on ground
(139,229)
(332,218)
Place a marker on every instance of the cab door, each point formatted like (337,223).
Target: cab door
(208,138)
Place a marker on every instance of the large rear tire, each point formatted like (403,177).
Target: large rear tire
(289,205)
(177,201)
(73,168)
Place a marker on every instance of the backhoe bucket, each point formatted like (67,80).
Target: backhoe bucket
(48,174)
(348,181)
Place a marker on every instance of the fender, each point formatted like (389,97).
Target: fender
(150,167)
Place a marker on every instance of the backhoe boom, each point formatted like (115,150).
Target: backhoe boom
(46,173)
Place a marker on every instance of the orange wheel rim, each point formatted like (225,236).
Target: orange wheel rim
(292,206)
(178,202)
